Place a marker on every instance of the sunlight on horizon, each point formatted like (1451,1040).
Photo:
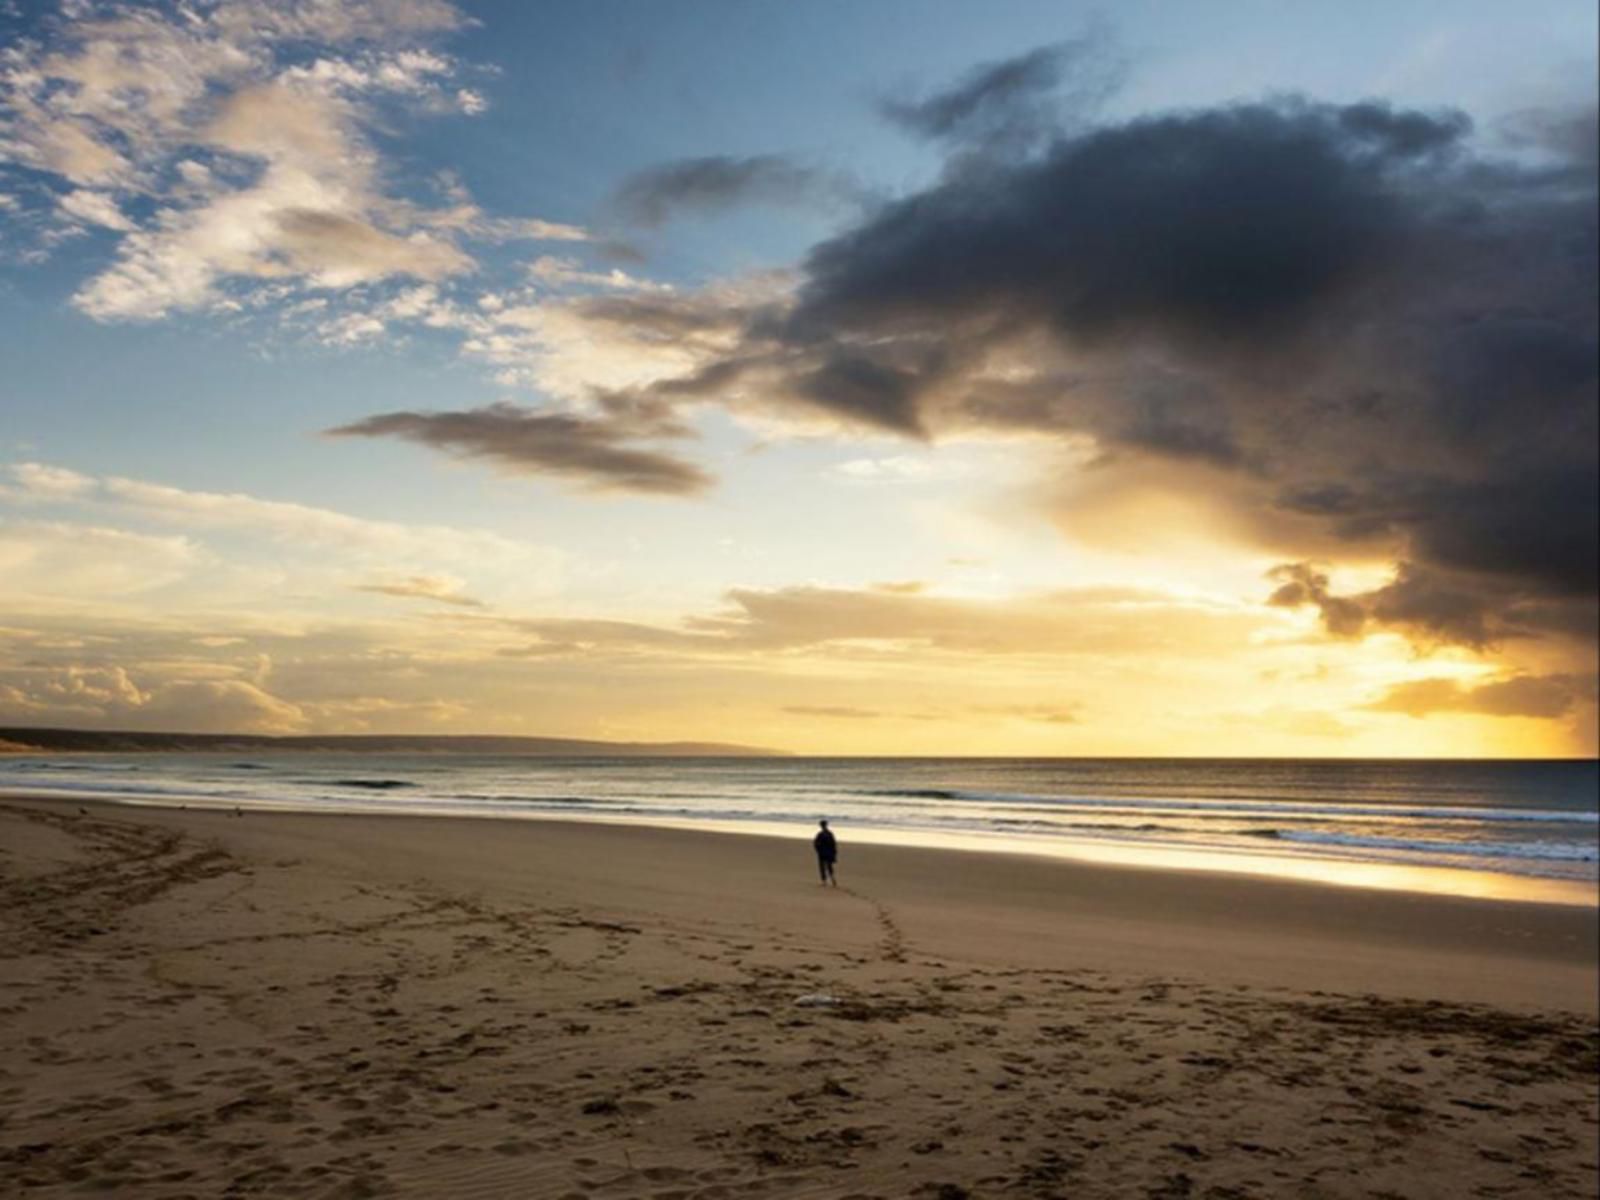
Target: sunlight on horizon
(1019,385)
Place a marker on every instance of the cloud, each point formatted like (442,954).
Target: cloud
(440,588)
(831,710)
(110,697)
(311,214)
(1539,696)
(347,20)
(897,469)
(1433,607)
(555,271)
(715,183)
(335,250)
(42,483)
(1301,585)
(1044,713)
(707,317)
(576,332)
(220,706)
(104,90)
(874,393)
(591,451)
(872,623)
(1196,227)
(44,558)
(1009,105)
(1330,322)
(71,692)
(588,635)
(1412,600)
(95,208)
(299,526)
(1300,723)
(187,665)
(241,132)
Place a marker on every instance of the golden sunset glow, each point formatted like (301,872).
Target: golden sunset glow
(1014,402)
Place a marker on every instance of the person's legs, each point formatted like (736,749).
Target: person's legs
(824,867)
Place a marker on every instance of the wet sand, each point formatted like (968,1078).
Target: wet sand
(196,1004)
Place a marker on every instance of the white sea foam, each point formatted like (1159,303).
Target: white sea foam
(1511,818)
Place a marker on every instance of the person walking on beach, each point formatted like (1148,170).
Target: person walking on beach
(827,853)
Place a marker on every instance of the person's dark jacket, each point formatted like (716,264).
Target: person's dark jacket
(827,849)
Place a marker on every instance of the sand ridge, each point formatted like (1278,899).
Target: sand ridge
(184,1019)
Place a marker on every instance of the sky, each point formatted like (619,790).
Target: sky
(910,378)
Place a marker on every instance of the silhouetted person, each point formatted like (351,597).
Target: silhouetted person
(827,853)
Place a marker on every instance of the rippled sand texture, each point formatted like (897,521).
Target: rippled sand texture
(183,1017)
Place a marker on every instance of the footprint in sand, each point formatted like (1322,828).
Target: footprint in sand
(892,946)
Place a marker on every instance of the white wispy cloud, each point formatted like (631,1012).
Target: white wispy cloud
(310,214)
(897,469)
(95,208)
(68,558)
(386,543)
(442,589)
(229,151)
(116,697)
(250,163)
(558,272)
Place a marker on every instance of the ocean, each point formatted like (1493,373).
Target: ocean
(1481,822)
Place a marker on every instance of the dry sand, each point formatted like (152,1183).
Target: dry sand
(198,1005)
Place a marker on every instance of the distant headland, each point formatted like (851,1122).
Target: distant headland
(23,740)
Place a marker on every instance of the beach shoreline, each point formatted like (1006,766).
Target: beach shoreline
(313,1004)
(1479,881)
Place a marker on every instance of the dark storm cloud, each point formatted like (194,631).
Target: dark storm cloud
(1431,606)
(1572,135)
(1536,522)
(658,194)
(1532,522)
(592,452)
(1300,585)
(1008,105)
(1205,227)
(1505,367)
(871,392)
(1177,420)
(1364,325)
(986,90)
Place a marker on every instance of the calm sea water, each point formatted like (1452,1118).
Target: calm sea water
(1528,819)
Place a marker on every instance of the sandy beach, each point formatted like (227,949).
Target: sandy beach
(197,1005)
